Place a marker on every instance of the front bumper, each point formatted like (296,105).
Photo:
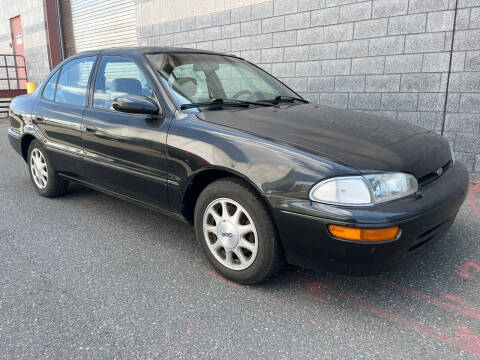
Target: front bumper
(302,225)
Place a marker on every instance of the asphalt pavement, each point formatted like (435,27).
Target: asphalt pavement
(88,276)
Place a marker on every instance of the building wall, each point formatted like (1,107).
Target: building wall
(34,34)
(386,57)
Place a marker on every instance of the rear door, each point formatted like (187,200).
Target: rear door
(125,153)
(59,110)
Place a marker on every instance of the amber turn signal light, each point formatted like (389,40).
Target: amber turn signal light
(360,234)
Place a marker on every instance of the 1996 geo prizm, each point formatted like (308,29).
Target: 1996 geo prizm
(264,176)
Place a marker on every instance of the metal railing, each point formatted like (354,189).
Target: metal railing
(13,80)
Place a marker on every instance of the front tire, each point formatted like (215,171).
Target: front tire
(45,179)
(236,232)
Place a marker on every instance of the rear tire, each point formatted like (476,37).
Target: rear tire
(236,232)
(45,179)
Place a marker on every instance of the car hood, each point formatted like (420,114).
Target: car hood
(362,141)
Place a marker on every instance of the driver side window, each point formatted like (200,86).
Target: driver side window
(118,75)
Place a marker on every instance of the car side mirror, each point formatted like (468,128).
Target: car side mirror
(136,104)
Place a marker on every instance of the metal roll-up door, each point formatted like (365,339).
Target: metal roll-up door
(93,24)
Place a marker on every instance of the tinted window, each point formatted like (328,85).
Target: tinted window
(49,90)
(118,75)
(73,81)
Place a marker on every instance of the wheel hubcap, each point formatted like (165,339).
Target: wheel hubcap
(38,168)
(230,234)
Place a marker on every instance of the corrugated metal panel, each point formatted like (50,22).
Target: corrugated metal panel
(93,24)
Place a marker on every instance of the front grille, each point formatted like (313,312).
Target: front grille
(431,177)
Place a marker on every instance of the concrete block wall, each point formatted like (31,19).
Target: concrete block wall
(34,35)
(386,57)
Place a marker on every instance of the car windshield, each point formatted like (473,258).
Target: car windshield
(194,78)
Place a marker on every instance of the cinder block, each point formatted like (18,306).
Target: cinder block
(308,68)
(305,5)
(285,38)
(297,84)
(336,67)
(353,83)
(370,28)
(417,6)
(399,64)
(323,51)
(436,62)
(472,61)
(399,101)
(297,53)
(361,101)
(382,83)
(431,42)
(355,12)
(230,31)
(180,38)
(321,84)
(222,45)
(172,26)
(297,21)
(475,18)
(458,61)
(453,102)
(386,46)
(460,122)
(312,35)
(339,32)
(326,16)
(187,24)
(440,21)
(241,43)
(386,8)
(463,19)
(431,101)
(251,28)
(196,36)
(407,24)
(465,142)
(334,100)
(370,65)
(464,82)
(240,14)
(254,56)
(273,24)
(221,18)
(272,55)
(282,7)
(353,48)
(261,41)
(466,40)
(262,10)
(283,69)
(213,33)
(470,103)
(425,120)
(420,82)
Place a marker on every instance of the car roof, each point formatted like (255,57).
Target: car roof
(149,50)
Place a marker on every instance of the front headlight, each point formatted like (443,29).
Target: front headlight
(364,190)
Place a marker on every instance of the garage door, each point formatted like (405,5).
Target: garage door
(93,24)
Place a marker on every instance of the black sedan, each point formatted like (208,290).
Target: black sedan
(264,176)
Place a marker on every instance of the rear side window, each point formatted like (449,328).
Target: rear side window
(119,75)
(49,89)
(73,81)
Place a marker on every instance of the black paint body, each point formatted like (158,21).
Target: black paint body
(162,161)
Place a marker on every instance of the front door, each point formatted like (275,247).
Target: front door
(58,114)
(19,51)
(125,153)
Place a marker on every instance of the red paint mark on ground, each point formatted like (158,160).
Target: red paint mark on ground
(466,309)
(172,346)
(465,268)
(313,294)
(463,342)
(469,339)
(306,316)
(24,176)
(87,202)
(471,198)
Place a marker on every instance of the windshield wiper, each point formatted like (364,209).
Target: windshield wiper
(285,98)
(223,102)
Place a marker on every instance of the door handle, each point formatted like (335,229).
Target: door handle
(38,119)
(91,128)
